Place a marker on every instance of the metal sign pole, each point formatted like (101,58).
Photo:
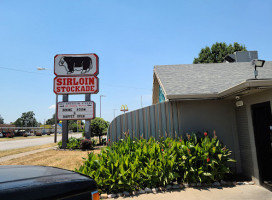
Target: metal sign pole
(64,126)
(56,121)
(87,122)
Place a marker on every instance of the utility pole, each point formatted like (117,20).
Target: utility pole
(114,112)
(100,103)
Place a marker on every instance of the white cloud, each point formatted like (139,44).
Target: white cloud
(52,106)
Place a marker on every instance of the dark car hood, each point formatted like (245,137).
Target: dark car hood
(41,182)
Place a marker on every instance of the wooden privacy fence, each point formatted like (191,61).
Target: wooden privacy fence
(156,120)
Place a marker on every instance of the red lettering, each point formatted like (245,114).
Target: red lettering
(63,89)
(91,81)
(75,82)
(81,81)
(59,81)
(92,88)
(58,89)
(87,88)
(82,89)
(69,81)
(77,88)
(68,89)
(64,81)
(73,88)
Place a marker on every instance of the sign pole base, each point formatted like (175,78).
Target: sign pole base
(64,126)
(87,122)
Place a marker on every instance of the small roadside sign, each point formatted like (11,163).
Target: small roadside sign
(76,64)
(76,110)
(76,85)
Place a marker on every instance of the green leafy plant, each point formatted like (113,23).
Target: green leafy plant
(73,143)
(77,143)
(133,164)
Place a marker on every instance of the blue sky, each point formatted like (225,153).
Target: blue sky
(130,37)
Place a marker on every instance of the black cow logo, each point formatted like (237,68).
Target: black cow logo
(72,64)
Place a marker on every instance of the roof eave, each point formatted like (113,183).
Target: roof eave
(248,84)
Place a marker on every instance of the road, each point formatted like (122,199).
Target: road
(16,144)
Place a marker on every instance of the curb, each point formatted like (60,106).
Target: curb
(175,187)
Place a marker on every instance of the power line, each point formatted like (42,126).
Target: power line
(120,86)
(24,71)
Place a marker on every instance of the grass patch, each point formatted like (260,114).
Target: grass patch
(23,138)
(22,150)
(54,158)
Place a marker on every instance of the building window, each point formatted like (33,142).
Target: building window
(161,95)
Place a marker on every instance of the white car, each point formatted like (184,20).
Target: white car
(1,134)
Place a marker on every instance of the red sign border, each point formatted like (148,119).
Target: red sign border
(97,64)
(94,113)
(95,92)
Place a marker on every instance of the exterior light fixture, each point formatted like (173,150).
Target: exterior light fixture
(257,63)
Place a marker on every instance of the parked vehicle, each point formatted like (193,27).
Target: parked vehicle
(20,132)
(4,133)
(28,133)
(39,182)
(1,134)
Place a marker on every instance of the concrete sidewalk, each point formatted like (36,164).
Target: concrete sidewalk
(240,192)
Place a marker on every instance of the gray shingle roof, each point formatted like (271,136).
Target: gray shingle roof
(212,78)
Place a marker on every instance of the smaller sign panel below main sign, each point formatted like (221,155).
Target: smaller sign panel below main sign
(76,110)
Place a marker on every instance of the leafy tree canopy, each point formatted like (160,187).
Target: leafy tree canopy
(26,120)
(217,52)
(99,126)
(1,120)
(51,121)
(75,125)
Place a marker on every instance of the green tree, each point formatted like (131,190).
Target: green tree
(217,52)
(74,125)
(1,120)
(26,120)
(51,121)
(99,127)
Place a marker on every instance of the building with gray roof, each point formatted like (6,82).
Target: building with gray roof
(230,98)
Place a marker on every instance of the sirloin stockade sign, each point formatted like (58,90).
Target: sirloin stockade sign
(76,85)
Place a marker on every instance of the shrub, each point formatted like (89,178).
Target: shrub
(60,144)
(77,143)
(86,144)
(130,165)
(25,135)
(104,141)
(73,143)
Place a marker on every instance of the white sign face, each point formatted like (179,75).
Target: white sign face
(76,110)
(76,85)
(76,64)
